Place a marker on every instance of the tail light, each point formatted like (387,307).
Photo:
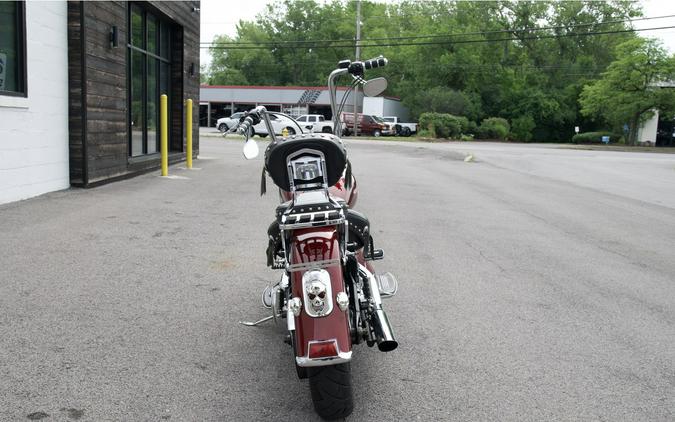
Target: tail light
(323,349)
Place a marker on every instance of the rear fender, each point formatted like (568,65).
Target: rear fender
(320,245)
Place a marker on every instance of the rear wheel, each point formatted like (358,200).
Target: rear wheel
(406,131)
(223,127)
(331,388)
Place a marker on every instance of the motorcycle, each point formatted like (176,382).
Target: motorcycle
(328,293)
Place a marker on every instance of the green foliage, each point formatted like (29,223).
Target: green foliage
(493,128)
(594,137)
(519,76)
(466,138)
(521,128)
(442,125)
(628,91)
(443,100)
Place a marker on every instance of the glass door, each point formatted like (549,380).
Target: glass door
(149,59)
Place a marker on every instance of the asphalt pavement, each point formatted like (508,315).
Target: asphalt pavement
(536,283)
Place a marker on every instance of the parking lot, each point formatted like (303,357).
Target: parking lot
(536,283)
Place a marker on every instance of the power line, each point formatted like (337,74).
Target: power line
(474,41)
(411,37)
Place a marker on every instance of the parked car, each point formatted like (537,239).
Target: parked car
(225,123)
(315,123)
(278,123)
(368,125)
(401,129)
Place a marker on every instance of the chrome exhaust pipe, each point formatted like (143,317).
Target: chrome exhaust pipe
(385,337)
(380,323)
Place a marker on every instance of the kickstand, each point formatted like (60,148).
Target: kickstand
(253,324)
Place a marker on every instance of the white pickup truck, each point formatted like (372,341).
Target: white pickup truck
(402,129)
(315,123)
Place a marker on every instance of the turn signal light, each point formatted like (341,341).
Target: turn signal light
(323,349)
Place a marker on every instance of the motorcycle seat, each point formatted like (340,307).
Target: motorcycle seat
(330,146)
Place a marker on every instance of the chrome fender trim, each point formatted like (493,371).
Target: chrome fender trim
(342,357)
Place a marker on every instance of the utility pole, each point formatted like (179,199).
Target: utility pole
(358,54)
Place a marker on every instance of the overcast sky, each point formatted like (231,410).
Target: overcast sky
(221,17)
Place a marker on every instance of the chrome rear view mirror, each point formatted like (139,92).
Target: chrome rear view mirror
(250,149)
(374,87)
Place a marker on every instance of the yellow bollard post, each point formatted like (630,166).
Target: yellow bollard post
(164,144)
(188,123)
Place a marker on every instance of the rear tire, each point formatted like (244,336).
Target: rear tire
(223,127)
(406,131)
(331,388)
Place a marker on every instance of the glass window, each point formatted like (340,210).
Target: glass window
(153,34)
(12,54)
(302,119)
(149,77)
(153,106)
(321,119)
(137,120)
(137,27)
(164,44)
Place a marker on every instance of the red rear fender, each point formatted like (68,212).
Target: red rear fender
(321,246)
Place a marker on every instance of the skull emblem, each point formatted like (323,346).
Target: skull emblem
(316,292)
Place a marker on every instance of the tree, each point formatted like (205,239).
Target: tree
(443,100)
(478,59)
(629,91)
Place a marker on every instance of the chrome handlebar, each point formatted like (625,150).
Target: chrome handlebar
(356,69)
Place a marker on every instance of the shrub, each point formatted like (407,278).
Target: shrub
(423,133)
(493,128)
(472,128)
(463,124)
(594,137)
(521,128)
(466,137)
(441,125)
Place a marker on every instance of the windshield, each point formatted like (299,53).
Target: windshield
(378,119)
(389,119)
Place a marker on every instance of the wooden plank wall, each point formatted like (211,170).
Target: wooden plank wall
(106,83)
(105,87)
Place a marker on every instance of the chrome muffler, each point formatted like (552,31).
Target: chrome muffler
(384,335)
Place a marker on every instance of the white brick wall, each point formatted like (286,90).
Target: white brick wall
(34,130)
